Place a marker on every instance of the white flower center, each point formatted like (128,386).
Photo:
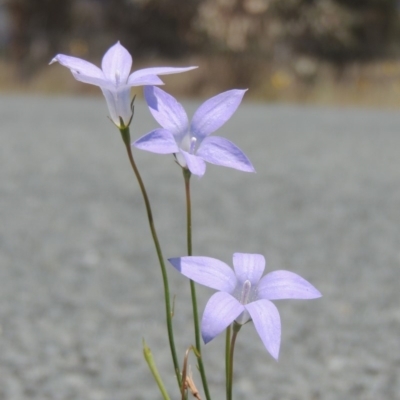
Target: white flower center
(188,144)
(245,293)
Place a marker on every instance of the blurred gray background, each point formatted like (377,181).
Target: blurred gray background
(80,284)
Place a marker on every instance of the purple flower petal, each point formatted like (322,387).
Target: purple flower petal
(196,164)
(117,64)
(213,113)
(118,104)
(206,271)
(220,151)
(279,285)
(114,79)
(158,141)
(144,80)
(248,267)
(267,322)
(221,310)
(167,111)
(82,70)
(139,74)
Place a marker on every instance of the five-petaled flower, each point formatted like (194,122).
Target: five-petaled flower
(192,144)
(243,295)
(115,80)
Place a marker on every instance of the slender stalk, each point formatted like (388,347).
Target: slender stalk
(186,176)
(148,356)
(236,329)
(227,357)
(126,139)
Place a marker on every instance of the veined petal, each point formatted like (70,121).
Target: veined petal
(82,70)
(156,71)
(167,111)
(221,310)
(279,285)
(206,271)
(213,113)
(117,64)
(220,151)
(248,267)
(144,80)
(159,141)
(196,164)
(118,102)
(267,322)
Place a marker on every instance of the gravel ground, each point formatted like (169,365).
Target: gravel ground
(80,284)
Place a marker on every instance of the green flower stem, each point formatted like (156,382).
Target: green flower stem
(227,357)
(126,139)
(148,356)
(236,329)
(186,176)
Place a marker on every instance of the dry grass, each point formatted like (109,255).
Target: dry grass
(372,85)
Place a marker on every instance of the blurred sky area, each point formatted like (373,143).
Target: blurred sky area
(325,51)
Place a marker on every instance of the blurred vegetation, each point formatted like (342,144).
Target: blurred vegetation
(279,48)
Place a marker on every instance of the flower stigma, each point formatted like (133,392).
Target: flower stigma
(244,298)
(117,76)
(193,142)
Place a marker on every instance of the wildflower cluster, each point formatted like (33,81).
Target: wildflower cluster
(243,293)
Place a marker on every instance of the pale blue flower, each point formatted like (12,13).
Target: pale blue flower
(191,143)
(243,295)
(114,78)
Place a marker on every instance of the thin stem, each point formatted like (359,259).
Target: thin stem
(227,357)
(236,329)
(126,139)
(186,176)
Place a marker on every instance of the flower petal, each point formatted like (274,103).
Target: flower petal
(213,113)
(248,267)
(158,141)
(220,151)
(206,271)
(142,73)
(286,285)
(118,102)
(167,111)
(267,322)
(221,310)
(196,165)
(117,64)
(144,80)
(82,70)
